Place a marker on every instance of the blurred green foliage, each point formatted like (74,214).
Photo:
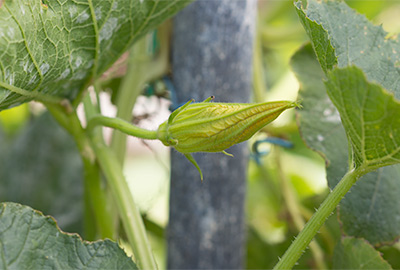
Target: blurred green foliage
(12,120)
(270,219)
(41,167)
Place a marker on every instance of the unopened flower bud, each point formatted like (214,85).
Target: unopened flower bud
(214,127)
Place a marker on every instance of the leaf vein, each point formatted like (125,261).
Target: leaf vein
(27,48)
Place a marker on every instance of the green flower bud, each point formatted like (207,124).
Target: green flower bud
(214,127)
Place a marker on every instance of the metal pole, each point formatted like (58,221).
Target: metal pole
(212,55)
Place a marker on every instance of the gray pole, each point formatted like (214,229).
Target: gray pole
(212,55)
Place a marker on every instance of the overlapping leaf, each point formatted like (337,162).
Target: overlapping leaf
(371,210)
(352,253)
(370,116)
(369,113)
(352,40)
(320,123)
(54,48)
(30,240)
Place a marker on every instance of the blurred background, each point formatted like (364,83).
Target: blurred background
(286,180)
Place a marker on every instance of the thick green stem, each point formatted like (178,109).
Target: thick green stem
(95,202)
(91,110)
(128,211)
(121,194)
(304,238)
(121,125)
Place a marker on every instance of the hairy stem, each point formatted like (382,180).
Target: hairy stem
(293,208)
(317,220)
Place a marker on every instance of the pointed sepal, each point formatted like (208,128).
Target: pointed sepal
(193,161)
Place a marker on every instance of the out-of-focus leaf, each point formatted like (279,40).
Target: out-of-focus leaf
(30,240)
(263,255)
(392,255)
(320,123)
(371,210)
(372,9)
(14,119)
(54,48)
(260,254)
(353,253)
(42,168)
(112,86)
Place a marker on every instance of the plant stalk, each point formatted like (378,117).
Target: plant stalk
(304,238)
(292,204)
(121,125)
(142,68)
(120,192)
(259,88)
(94,194)
(128,211)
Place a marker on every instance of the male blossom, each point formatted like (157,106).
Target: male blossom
(214,127)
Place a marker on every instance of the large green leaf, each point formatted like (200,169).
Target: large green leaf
(41,167)
(319,120)
(54,48)
(352,253)
(370,116)
(30,240)
(354,40)
(371,210)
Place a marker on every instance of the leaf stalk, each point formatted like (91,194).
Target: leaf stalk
(304,238)
(128,211)
(95,202)
(121,125)
(120,191)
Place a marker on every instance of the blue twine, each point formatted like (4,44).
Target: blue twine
(257,154)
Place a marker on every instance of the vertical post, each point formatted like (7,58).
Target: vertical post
(212,55)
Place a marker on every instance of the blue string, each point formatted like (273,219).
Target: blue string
(172,94)
(257,154)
